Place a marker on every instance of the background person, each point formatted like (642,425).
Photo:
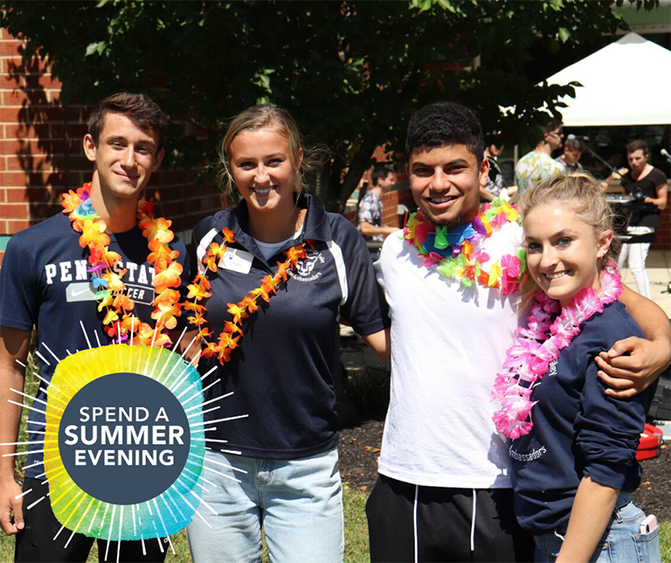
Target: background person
(371,209)
(44,284)
(277,468)
(538,165)
(574,455)
(495,182)
(642,178)
(570,158)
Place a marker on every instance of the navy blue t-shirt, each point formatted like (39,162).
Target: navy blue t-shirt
(281,375)
(578,430)
(44,283)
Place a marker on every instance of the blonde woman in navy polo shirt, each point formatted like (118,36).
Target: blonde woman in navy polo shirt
(282,274)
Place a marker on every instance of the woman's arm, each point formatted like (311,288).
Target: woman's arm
(592,508)
(632,364)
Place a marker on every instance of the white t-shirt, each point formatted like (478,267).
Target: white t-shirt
(448,343)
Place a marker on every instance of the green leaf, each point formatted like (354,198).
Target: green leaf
(95,48)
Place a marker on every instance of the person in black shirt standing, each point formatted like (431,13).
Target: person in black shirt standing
(645,179)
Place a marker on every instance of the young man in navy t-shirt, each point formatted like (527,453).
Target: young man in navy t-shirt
(46,284)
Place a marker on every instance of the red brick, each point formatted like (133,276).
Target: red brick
(13,97)
(10,114)
(14,211)
(10,80)
(52,113)
(8,48)
(5,35)
(31,146)
(8,179)
(47,178)
(74,130)
(20,131)
(18,194)
(43,81)
(40,211)
(42,130)
(3,164)
(14,227)
(35,163)
(44,194)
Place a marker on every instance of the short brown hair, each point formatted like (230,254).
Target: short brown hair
(574,145)
(139,108)
(637,145)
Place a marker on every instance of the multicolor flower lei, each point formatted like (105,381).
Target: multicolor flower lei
(539,344)
(457,251)
(199,290)
(109,286)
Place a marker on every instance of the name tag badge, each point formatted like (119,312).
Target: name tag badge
(236,260)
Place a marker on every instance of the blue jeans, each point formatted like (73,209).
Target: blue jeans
(297,502)
(622,541)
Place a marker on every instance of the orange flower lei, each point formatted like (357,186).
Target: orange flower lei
(109,286)
(232,331)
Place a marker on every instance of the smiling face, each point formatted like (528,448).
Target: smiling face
(263,171)
(563,250)
(125,157)
(445,183)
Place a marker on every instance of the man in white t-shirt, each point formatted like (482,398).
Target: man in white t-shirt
(444,492)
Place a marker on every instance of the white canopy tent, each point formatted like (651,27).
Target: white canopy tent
(626,83)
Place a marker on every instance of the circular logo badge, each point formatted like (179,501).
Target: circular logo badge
(124,438)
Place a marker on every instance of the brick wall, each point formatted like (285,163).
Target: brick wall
(41,153)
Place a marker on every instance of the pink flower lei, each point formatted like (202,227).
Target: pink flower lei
(540,343)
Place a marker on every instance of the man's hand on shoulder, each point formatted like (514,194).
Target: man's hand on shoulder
(632,365)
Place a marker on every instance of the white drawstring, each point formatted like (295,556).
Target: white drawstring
(475,504)
(414,521)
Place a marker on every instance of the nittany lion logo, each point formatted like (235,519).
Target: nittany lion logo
(305,268)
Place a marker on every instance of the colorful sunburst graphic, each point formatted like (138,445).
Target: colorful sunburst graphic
(124,442)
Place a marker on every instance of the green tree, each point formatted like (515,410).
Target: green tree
(351,72)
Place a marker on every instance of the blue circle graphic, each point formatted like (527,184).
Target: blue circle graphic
(124,438)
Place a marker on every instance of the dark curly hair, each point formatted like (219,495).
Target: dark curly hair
(445,123)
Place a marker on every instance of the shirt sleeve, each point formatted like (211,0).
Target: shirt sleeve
(365,308)
(607,429)
(18,293)
(366,211)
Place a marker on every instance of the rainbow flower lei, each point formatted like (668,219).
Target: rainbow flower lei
(109,285)
(457,251)
(228,338)
(540,343)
